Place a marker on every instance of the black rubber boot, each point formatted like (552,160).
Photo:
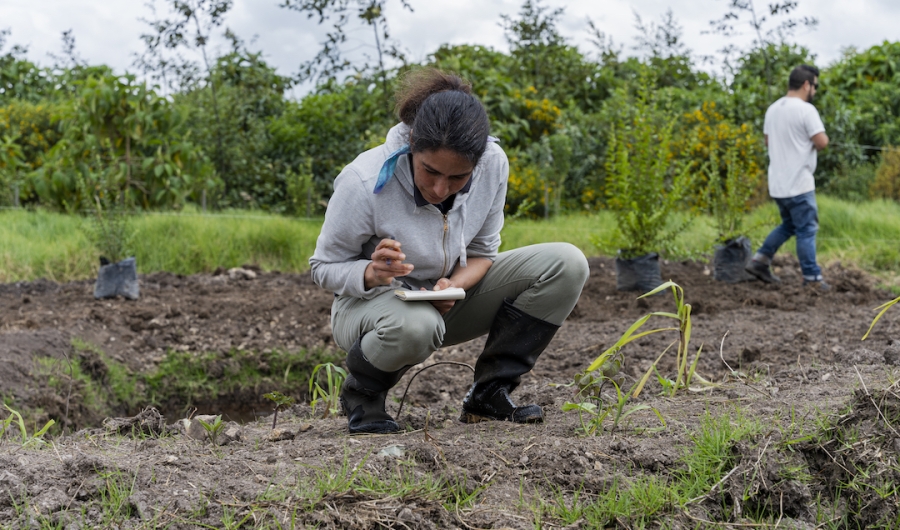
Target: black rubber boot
(513,345)
(363,394)
(762,271)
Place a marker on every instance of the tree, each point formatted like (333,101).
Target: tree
(190,27)
(249,95)
(332,60)
(760,23)
(123,145)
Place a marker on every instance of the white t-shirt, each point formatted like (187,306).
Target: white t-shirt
(790,124)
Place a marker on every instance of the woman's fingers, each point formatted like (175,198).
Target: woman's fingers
(388,259)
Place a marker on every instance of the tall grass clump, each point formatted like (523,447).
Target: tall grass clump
(862,233)
(578,229)
(42,244)
(190,243)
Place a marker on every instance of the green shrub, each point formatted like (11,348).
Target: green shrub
(887,179)
(851,183)
(644,182)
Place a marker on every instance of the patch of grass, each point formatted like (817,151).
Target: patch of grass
(865,234)
(68,379)
(339,488)
(856,462)
(115,504)
(92,385)
(710,457)
(41,244)
(118,380)
(643,500)
(188,243)
(193,378)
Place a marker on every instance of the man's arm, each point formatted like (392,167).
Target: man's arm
(819,140)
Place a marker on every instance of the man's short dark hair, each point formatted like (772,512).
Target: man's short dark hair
(801,74)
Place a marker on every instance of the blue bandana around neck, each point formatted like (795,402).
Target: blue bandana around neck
(387,169)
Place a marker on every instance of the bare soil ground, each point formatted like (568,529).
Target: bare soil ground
(783,355)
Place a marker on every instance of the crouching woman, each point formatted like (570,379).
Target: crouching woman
(424,211)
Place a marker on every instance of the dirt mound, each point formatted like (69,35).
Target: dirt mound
(787,360)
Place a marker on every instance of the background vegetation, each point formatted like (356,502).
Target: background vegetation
(221,133)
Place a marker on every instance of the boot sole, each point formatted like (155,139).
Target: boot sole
(376,428)
(471,417)
(762,277)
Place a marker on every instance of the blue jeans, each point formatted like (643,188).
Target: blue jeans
(799,217)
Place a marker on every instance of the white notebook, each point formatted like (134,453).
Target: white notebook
(450,293)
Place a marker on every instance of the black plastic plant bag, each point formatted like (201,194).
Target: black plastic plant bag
(638,274)
(730,259)
(118,279)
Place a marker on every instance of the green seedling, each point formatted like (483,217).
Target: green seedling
(329,395)
(596,411)
(594,415)
(281,402)
(213,429)
(36,438)
(685,371)
(884,308)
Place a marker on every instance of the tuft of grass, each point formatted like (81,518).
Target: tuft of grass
(341,485)
(15,420)
(115,503)
(184,377)
(119,381)
(644,500)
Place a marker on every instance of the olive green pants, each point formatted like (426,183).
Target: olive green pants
(544,281)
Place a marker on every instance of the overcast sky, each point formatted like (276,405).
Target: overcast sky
(108,31)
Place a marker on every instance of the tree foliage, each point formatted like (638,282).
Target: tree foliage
(222,124)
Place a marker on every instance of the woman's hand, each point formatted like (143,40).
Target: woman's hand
(387,264)
(442,305)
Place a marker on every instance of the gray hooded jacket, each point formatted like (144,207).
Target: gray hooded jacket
(357,220)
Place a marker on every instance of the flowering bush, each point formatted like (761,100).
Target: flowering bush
(717,150)
(525,188)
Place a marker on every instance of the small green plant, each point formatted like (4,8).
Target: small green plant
(109,231)
(281,402)
(884,307)
(644,185)
(728,195)
(301,189)
(213,429)
(887,177)
(686,371)
(592,410)
(329,395)
(14,416)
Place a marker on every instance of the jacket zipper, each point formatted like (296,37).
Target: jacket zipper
(444,246)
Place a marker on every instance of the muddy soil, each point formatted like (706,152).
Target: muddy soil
(781,354)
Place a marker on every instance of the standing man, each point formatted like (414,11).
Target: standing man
(794,134)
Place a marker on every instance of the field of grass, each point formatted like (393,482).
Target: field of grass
(40,244)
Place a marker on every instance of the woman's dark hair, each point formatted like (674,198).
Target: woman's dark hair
(442,113)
